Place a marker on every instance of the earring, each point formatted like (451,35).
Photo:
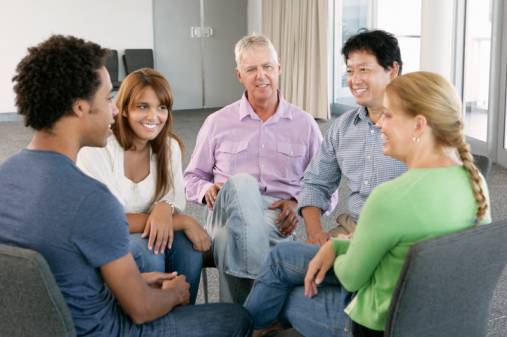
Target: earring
(416,139)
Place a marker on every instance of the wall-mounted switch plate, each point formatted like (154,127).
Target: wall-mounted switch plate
(198,32)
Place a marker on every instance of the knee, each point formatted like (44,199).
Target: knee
(281,252)
(147,261)
(184,247)
(242,323)
(137,243)
(241,182)
(245,322)
(182,242)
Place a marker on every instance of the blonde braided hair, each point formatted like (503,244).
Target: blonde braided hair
(468,163)
(431,95)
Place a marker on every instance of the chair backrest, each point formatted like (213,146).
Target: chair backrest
(112,68)
(134,59)
(447,283)
(483,163)
(31,303)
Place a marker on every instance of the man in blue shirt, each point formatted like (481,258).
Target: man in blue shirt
(47,204)
(353,146)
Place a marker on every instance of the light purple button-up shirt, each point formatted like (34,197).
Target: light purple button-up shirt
(234,140)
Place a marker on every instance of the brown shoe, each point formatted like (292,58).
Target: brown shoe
(345,225)
(339,229)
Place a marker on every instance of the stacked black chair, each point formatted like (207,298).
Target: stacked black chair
(112,68)
(483,163)
(134,59)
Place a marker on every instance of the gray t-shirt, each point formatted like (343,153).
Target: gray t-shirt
(49,205)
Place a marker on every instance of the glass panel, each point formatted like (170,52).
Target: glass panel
(351,17)
(477,68)
(406,27)
(354,15)
(410,48)
(505,127)
(389,18)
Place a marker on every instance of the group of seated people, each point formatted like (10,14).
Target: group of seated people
(100,192)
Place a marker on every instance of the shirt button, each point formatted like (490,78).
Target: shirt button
(369,157)
(366,182)
(262,145)
(372,132)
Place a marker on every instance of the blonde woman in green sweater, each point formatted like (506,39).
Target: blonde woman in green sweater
(442,192)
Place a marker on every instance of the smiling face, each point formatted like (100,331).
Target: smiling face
(259,72)
(398,129)
(147,117)
(367,79)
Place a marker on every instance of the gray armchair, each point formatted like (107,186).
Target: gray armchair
(447,283)
(31,303)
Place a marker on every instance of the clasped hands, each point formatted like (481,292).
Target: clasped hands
(173,282)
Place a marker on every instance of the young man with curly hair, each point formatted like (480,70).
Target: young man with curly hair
(47,204)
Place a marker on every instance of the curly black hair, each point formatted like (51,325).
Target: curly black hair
(54,75)
(383,45)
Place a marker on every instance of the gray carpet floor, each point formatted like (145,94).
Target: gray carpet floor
(14,136)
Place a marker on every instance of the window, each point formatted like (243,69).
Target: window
(350,17)
(353,15)
(477,68)
(406,27)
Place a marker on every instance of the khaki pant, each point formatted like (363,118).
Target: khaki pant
(345,225)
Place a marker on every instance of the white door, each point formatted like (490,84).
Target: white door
(200,70)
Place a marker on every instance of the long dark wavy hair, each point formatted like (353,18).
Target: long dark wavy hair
(130,91)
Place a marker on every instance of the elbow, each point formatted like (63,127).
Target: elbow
(138,319)
(138,316)
(350,284)
(350,287)
(138,312)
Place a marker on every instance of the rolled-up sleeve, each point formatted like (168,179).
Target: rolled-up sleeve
(198,176)
(322,176)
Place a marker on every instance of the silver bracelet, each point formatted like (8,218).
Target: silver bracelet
(173,208)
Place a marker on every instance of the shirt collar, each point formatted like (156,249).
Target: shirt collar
(282,111)
(361,115)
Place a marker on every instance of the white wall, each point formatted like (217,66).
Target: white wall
(437,37)
(254,16)
(115,24)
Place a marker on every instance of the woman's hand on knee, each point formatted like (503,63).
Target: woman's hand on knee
(318,268)
(159,228)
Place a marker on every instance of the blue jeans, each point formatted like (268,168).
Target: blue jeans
(243,231)
(278,295)
(217,320)
(182,257)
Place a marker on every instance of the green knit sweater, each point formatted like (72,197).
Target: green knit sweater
(418,205)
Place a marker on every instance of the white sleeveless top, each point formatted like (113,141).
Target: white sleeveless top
(106,165)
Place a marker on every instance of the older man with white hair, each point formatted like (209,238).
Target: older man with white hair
(247,167)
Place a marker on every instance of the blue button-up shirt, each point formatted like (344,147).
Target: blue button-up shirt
(352,149)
